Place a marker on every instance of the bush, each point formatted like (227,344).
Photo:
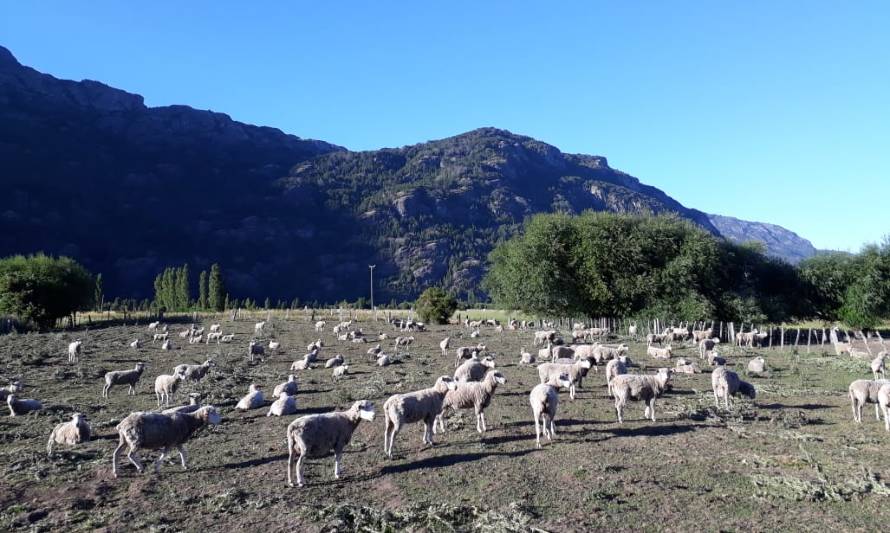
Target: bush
(40,289)
(435,305)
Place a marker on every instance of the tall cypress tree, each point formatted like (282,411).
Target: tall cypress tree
(202,290)
(216,291)
(183,294)
(98,296)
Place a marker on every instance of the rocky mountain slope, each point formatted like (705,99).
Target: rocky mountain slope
(779,242)
(93,173)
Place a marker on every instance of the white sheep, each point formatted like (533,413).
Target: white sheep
(284,405)
(659,353)
(411,407)
(215,328)
(290,386)
(525,358)
(757,366)
(337,360)
(877,365)
(474,394)
(319,326)
(166,386)
(214,336)
(153,326)
(544,400)
(636,387)
(259,327)
(302,364)
(194,373)
(373,352)
(158,431)
(159,337)
(227,338)
(632,330)
(121,377)
(21,407)
(656,338)
(444,345)
(167,345)
(339,372)
(473,369)
(74,349)
(317,435)
(615,367)
(75,431)
(13,388)
(863,391)
(884,404)
(193,405)
(135,344)
(197,340)
(383,360)
(252,400)
(549,371)
(705,346)
(726,383)
(274,346)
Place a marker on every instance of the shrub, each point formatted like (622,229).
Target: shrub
(41,289)
(435,305)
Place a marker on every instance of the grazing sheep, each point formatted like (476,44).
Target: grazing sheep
(877,365)
(545,354)
(166,386)
(186,333)
(757,366)
(705,346)
(726,383)
(319,326)
(193,405)
(884,404)
(337,360)
(526,358)
(167,345)
(302,364)
(549,371)
(255,349)
(602,352)
(411,407)
(69,433)
(290,386)
(444,345)
(403,341)
(373,352)
(158,431)
(121,377)
(74,349)
(252,400)
(227,338)
(135,344)
(615,367)
(159,337)
(863,391)
(339,372)
(683,366)
(284,405)
(475,394)
(194,373)
(259,327)
(473,369)
(383,360)
(544,400)
(316,435)
(656,338)
(21,407)
(659,353)
(562,352)
(196,340)
(636,387)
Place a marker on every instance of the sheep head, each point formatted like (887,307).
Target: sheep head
(747,390)
(489,362)
(496,376)
(584,363)
(365,409)
(445,384)
(209,415)
(564,381)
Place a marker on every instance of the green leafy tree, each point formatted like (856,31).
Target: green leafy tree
(436,306)
(41,289)
(98,297)
(202,290)
(216,291)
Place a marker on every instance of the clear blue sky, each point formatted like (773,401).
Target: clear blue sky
(775,111)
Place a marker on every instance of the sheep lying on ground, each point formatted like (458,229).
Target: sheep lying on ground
(383,360)
(69,433)
(337,360)
(135,344)
(21,407)
(194,373)
(252,400)
(193,405)
(284,405)
(863,391)
(877,365)
(411,407)
(659,353)
(290,386)
(549,371)
(123,377)
(644,388)
(615,367)
(525,358)
(74,349)
(475,394)
(157,431)
(544,400)
(683,366)
(316,435)
(473,369)
(726,383)
(757,366)
(166,386)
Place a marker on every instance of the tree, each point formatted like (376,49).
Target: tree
(183,292)
(98,297)
(435,305)
(41,289)
(267,304)
(216,291)
(202,290)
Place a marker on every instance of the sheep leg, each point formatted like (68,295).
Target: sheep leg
(484,426)
(877,413)
(158,397)
(183,456)
(105,391)
(114,457)
(133,456)
(886,410)
(161,460)
(337,457)
(538,430)
(853,407)
(572,391)
(652,409)
(716,399)
(618,406)
(392,437)
(552,432)
(300,470)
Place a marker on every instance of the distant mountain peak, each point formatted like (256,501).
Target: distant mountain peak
(779,242)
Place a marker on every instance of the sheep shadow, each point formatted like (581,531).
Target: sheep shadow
(445,461)
(650,431)
(256,462)
(806,406)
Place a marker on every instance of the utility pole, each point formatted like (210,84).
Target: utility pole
(372,291)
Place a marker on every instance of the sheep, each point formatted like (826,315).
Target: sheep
(559,352)
(745,338)
(615,367)
(653,338)
(372,352)
(158,431)
(707,345)
(659,353)
(290,386)
(284,405)
(13,388)
(546,371)
(403,341)
(464,352)
(159,337)
(543,336)
(687,368)
(714,359)
(193,405)
(135,344)
(314,346)
(302,364)
(75,431)
(274,346)
(526,358)
(475,394)
(842,347)
(877,365)
(259,327)
(21,407)
(319,326)
(863,391)
(636,387)
(699,335)
(252,400)
(227,338)
(121,377)
(214,336)
(444,345)
(74,349)
(215,328)
(196,340)
(186,333)
(166,386)
(759,338)
(632,331)
(339,372)
(382,336)
(153,326)
(383,360)
(544,400)
(316,435)
(601,352)
(473,369)
(167,345)
(411,407)
(756,366)
(474,334)
(194,373)
(337,360)
(255,349)
(884,404)
(726,383)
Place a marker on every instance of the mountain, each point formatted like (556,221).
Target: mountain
(779,242)
(93,173)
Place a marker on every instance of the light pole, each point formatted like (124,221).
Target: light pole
(372,290)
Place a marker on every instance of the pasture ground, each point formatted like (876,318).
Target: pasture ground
(790,460)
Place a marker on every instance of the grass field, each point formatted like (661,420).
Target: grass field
(790,460)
